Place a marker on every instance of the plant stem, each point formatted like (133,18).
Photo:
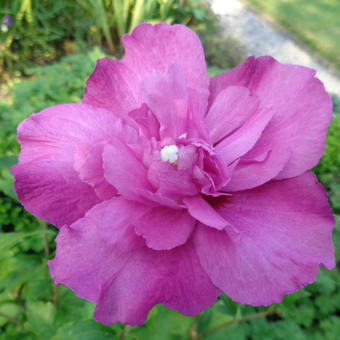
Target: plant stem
(124,332)
(9,318)
(47,252)
(235,321)
(56,296)
(46,246)
(193,329)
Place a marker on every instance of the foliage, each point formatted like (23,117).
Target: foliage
(32,308)
(222,52)
(41,31)
(37,31)
(314,22)
(328,169)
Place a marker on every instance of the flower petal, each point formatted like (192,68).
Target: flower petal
(57,143)
(157,47)
(52,190)
(124,170)
(91,250)
(284,231)
(116,84)
(230,109)
(67,131)
(103,260)
(301,111)
(147,122)
(174,278)
(164,228)
(252,173)
(170,181)
(200,209)
(92,172)
(243,139)
(170,109)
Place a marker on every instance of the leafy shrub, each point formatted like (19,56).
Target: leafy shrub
(328,169)
(40,31)
(37,31)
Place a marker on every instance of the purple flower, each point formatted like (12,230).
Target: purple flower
(7,22)
(170,187)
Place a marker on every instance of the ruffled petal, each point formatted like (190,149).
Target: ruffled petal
(147,122)
(252,173)
(103,260)
(230,109)
(243,139)
(170,109)
(174,278)
(52,190)
(92,172)
(157,47)
(200,209)
(116,84)
(284,232)
(92,249)
(170,181)
(63,145)
(301,114)
(124,170)
(164,228)
(68,131)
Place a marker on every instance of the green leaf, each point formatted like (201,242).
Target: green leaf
(15,270)
(163,323)
(330,327)
(71,307)
(8,161)
(229,306)
(7,183)
(9,240)
(204,320)
(10,309)
(303,315)
(39,286)
(85,330)
(234,332)
(40,318)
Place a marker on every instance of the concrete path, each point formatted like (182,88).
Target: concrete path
(261,38)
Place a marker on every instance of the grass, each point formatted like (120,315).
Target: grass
(316,22)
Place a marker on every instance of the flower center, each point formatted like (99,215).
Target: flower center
(169,153)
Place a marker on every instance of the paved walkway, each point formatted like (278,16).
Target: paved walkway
(260,38)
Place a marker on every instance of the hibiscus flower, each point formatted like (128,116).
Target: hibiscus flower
(171,187)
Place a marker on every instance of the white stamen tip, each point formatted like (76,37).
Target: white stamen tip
(169,154)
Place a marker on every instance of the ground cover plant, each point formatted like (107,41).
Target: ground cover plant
(314,22)
(32,308)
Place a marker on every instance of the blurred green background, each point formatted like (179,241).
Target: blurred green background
(47,50)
